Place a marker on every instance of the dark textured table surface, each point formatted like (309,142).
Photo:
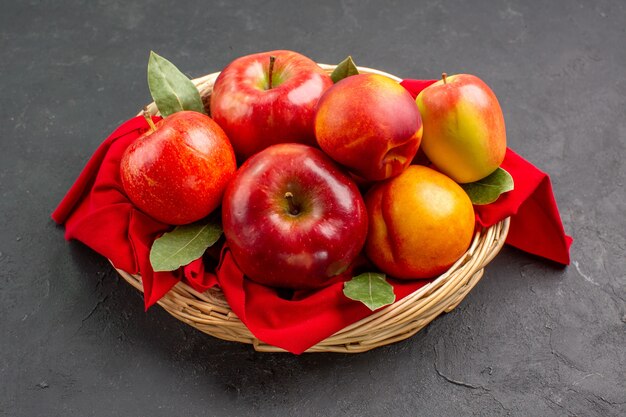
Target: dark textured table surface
(532,339)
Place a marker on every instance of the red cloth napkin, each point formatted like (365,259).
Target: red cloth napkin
(535,221)
(96,212)
(303,320)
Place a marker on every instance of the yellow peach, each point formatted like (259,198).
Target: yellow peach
(420,223)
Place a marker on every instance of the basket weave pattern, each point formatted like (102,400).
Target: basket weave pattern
(210,313)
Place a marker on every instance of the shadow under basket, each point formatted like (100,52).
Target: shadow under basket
(210,313)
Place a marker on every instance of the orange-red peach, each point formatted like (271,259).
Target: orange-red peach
(370,124)
(420,223)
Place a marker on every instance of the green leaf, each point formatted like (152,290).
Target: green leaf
(344,69)
(171,90)
(488,189)
(183,245)
(370,288)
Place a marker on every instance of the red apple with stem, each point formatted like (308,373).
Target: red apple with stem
(268,98)
(293,218)
(178,170)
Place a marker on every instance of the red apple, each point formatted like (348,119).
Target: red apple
(177,171)
(293,218)
(257,110)
(370,124)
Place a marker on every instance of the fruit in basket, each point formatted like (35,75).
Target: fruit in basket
(293,218)
(268,98)
(370,124)
(420,223)
(177,171)
(464,133)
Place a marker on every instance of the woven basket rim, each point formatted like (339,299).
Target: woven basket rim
(210,313)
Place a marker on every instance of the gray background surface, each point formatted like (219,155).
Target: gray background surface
(531,339)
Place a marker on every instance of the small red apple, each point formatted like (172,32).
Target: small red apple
(370,124)
(268,98)
(293,218)
(177,171)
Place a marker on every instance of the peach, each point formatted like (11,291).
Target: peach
(420,223)
(370,124)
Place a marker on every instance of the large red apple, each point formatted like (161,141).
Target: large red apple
(257,110)
(370,124)
(293,218)
(177,171)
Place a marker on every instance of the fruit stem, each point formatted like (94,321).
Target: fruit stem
(293,208)
(444,77)
(271,71)
(146,115)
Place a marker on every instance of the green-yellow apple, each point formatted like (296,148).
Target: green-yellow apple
(292,218)
(370,124)
(420,223)
(268,98)
(178,170)
(464,133)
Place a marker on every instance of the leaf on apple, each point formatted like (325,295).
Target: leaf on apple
(488,189)
(344,69)
(370,288)
(171,90)
(183,245)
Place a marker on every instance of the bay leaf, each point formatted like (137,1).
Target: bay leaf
(344,69)
(171,90)
(183,245)
(370,288)
(488,189)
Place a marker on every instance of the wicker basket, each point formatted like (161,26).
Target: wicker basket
(209,312)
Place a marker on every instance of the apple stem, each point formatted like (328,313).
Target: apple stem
(146,115)
(444,77)
(293,208)
(270,72)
